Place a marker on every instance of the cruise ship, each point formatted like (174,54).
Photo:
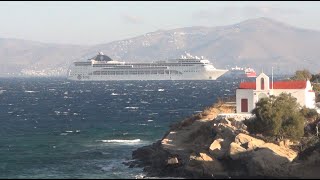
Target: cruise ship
(240,72)
(102,68)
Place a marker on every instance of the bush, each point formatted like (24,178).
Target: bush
(302,75)
(309,113)
(315,78)
(277,116)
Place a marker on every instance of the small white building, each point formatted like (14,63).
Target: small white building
(249,93)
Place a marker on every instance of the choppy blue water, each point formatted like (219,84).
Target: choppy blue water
(55,128)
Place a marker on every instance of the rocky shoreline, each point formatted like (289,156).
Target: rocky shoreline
(210,146)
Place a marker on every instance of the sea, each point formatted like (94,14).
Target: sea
(53,128)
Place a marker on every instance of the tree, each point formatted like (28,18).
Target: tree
(277,116)
(302,75)
(315,78)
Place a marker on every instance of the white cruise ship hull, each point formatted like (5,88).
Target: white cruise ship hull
(210,75)
(103,68)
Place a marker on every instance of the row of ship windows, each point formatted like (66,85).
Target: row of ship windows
(190,71)
(106,65)
(133,72)
(137,72)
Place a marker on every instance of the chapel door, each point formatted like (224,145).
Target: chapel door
(244,105)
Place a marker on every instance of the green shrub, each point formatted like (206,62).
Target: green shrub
(277,116)
(309,113)
(302,75)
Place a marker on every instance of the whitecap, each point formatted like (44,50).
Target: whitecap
(114,94)
(31,91)
(153,113)
(131,107)
(108,168)
(160,89)
(150,120)
(120,141)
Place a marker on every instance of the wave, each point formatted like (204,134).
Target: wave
(31,91)
(120,141)
(131,107)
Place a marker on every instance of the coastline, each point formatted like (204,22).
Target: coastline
(206,145)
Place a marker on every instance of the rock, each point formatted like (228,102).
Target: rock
(239,125)
(205,165)
(220,147)
(248,142)
(225,121)
(308,168)
(166,141)
(264,162)
(236,151)
(173,160)
(287,153)
(205,157)
(251,143)
(216,148)
(143,152)
(285,143)
(225,131)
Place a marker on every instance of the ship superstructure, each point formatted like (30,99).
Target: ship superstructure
(101,68)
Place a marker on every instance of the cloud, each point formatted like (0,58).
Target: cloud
(132,19)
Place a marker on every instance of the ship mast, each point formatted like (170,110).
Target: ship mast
(272,77)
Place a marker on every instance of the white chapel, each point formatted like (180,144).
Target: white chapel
(249,93)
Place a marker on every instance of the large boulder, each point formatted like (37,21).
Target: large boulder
(309,167)
(238,125)
(236,151)
(205,165)
(217,148)
(172,161)
(284,152)
(264,162)
(248,142)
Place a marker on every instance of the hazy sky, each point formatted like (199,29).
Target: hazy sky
(88,23)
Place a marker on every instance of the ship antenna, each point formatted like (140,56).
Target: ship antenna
(272,77)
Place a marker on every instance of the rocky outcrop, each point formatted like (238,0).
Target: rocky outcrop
(219,148)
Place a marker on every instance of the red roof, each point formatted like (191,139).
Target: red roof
(277,85)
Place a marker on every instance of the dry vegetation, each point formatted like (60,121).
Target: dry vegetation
(208,113)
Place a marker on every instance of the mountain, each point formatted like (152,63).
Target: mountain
(259,43)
